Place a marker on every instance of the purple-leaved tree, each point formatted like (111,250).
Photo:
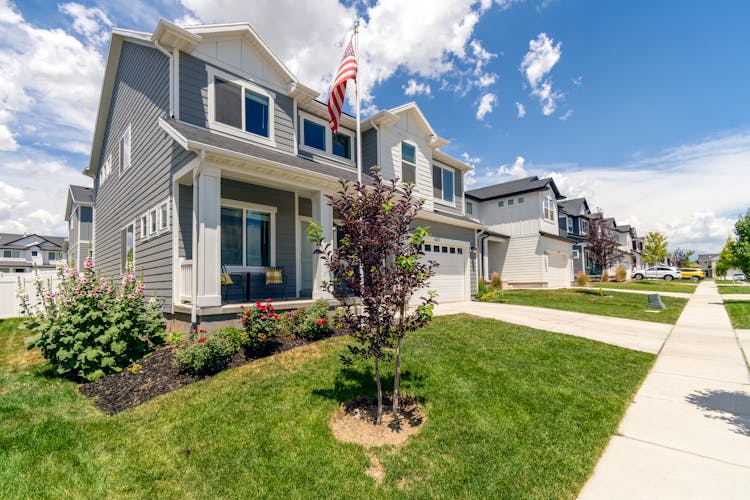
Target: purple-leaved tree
(376,270)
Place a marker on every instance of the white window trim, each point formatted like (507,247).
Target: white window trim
(328,153)
(547,198)
(258,208)
(521,199)
(163,223)
(575,254)
(416,149)
(127,139)
(135,244)
(468,204)
(569,223)
(245,85)
(443,201)
(154,213)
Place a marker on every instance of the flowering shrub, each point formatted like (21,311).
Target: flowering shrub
(89,327)
(490,292)
(206,354)
(309,323)
(261,323)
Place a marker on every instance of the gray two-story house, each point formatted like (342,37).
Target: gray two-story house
(210,158)
(22,253)
(573,220)
(79,214)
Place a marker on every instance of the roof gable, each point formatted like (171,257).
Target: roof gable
(525,185)
(30,240)
(78,195)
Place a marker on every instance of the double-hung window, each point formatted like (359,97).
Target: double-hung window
(548,208)
(247,235)
(570,224)
(123,148)
(443,184)
(52,256)
(11,254)
(317,135)
(240,107)
(469,208)
(584,226)
(127,242)
(408,163)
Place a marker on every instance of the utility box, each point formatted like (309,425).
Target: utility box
(654,301)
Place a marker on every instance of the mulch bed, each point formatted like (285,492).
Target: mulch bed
(159,375)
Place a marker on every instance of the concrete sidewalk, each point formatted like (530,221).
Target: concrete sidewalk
(643,336)
(687,433)
(735,296)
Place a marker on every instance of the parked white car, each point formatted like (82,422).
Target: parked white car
(658,272)
(740,277)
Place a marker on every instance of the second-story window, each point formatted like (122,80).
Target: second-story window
(341,145)
(549,208)
(584,226)
(237,106)
(314,134)
(443,183)
(317,135)
(11,254)
(408,163)
(469,208)
(570,224)
(123,149)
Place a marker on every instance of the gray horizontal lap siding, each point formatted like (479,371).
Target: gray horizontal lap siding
(369,149)
(194,101)
(285,226)
(578,263)
(140,98)
(441,230)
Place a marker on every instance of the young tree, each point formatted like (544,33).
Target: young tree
(655,248)
(736,252)
(376,269)
(601,241)
(683,258)
(725,258)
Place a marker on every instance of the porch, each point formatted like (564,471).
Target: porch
(232,226)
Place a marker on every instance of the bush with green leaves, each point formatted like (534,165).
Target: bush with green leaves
(207,354)
(261,324)
(491,291)
(309,323)
(88,327)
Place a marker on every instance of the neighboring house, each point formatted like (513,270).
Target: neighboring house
(522,241)
(573,221)
(708,262)
(626,236)
(209,155)
(22,253)
(79,214)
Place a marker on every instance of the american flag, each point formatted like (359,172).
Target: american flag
(347,71)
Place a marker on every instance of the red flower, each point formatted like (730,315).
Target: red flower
(248,313)
(257,304)
(269,300)
(202,339)
(242,307)
(264,317)
(201,331)
(244,320)
(322,321)
(187,452)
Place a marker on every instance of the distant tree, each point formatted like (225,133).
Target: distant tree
(601,241)
(655,248)
(725,258)
(683,258)
(736,251)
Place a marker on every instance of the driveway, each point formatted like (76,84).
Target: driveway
(643,336)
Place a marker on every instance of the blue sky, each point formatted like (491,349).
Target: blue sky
(640,106)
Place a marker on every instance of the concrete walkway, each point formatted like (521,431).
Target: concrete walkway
(735,296)
(687,433)
(643,336)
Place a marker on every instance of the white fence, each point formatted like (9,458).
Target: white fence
(9,303)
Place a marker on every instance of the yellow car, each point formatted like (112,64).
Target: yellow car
(692,273)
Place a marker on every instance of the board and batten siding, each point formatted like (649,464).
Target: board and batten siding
(369,149)
(140,97)
(194,101)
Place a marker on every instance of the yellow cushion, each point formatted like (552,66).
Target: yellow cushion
(226,279)
(274,277)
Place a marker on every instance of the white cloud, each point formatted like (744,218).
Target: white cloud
(90,22)
(413,88)
(7,141)
(486,104)
(516,171)
(542,56)
(521,109)
(577,80)
(567,115)
(471,160)
(392,37)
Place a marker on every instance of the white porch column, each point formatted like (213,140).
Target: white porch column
(322,214)
(208,253)
(486,259)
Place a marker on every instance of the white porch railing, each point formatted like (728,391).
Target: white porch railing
(186,280)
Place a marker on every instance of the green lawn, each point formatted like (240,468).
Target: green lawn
(616,304)
(511,412)
(727,289)
(650,285)
(739,313)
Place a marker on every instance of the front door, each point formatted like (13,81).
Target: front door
(306,259)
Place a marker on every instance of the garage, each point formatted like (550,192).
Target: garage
(558,270)
(451,279)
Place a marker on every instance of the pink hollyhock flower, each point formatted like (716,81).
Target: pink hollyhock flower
(322,321)
(202,339)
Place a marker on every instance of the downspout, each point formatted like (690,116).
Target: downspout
(377,142)
(194,274)
(480,252)
(168,53)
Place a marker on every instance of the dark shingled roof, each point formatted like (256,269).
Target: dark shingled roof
(518,186)
(82,194)
(574,206)
(204,136)
(51,243)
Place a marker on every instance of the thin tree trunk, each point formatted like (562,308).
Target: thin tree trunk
(397,375)
(380,391)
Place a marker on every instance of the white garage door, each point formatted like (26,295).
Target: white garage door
(450,276)
(558,270)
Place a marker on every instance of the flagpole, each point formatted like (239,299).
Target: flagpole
(356,98)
